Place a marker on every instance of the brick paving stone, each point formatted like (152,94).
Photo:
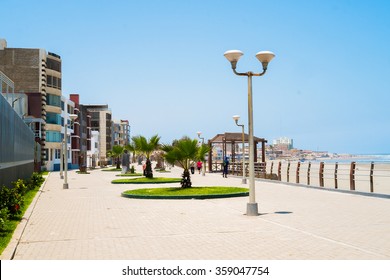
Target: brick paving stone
(91,220)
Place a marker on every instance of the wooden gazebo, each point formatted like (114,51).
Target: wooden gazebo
(232,139)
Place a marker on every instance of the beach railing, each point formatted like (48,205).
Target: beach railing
(360,176)
(235,168)
(355,176)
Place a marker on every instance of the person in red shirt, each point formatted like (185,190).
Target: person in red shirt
(199,166)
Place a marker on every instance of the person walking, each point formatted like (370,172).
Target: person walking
(199,165)
(192,168)
(125,162)
(225,167)
(144,169)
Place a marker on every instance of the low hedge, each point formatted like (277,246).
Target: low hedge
(187,193)
(144,180)
(12,198)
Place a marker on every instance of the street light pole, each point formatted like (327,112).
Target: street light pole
(65,185)
(204,163)
(62,160)
(236,118)
(13,102)
(264,57)
(72,118)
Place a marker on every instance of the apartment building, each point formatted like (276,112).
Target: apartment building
(81,136)
(121,132)
(37,74)
(283,143)
(101,121)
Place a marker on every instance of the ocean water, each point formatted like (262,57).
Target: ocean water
(378,158)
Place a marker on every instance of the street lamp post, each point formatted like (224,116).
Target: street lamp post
(203,164)
(264,57)
(62,159)
(13,102)
(72,118)
(236,118)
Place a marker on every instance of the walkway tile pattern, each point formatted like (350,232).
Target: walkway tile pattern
(91,220)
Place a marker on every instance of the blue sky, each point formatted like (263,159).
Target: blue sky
(160,65)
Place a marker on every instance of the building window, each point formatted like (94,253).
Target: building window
(49,80)
(53,100)
(57,153)
(95,124)
(53,118)
(53,82)
(53,136)
(70,109)
(53,64)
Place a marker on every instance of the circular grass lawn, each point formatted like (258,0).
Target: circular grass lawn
(112,169)
(186,193)
(129,175)
(162,171)
(144,180)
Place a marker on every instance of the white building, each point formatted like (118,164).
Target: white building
(56,140)
(93,154)
(283,141)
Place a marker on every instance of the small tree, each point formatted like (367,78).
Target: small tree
(115,153)
(182,152)
(131,148)
(147,147)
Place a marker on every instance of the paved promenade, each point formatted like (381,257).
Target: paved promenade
(92,221)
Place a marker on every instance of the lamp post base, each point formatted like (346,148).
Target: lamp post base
(65,186)
(62,176)
(243,181)
(251,209)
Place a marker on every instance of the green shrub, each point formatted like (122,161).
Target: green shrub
(11,199)
(3,218)
(13,203)
(5,195)
(35,181)
(20,187)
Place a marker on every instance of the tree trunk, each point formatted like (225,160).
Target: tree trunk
(148,170)
(118,163)
(186,179)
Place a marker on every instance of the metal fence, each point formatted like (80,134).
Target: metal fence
(16,146)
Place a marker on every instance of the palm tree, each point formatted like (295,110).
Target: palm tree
(147,147)
(182,152)
(131,148)
(115,153)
